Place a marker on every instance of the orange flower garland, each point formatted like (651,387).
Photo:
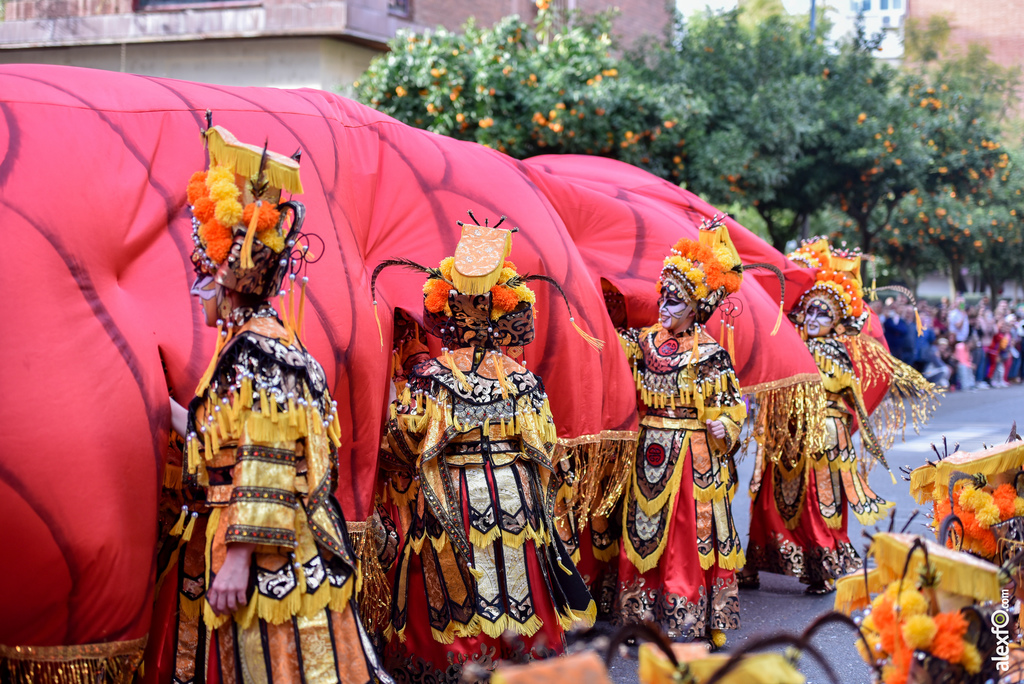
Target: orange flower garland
(503,298)
(894,635)
(978,511)
(268,217)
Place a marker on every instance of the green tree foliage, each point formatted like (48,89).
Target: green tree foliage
(752,112)
(506,88)
(763,84)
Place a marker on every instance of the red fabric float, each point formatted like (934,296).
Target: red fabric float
(93,168)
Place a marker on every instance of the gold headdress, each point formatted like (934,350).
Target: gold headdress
(837,282)
(703,271)
(240,230)
(478,297)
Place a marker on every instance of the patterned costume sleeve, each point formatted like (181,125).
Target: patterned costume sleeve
(723,401)
(263,501)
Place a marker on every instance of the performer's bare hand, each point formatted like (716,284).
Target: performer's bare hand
(716,428)
(228,591)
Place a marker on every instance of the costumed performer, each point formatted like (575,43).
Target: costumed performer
(800,503)
(680,547)
(262,532)
(468,463)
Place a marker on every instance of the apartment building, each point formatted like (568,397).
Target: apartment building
(322,44)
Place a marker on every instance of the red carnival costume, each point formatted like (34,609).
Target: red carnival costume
(261,451)
(680,547)
(798,525)
(468,465)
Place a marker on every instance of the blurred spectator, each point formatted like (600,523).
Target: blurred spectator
(983,329)
(935,369)
(964,367)
(959,325)
(899,332)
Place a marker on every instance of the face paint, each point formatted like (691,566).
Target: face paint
(675,314)
(211,299)
(204,287)
(818,318)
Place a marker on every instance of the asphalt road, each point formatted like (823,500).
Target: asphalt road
(972,419)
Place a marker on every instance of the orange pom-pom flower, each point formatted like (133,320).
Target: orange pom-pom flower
(217,239)
(949,639)
(504,298)
(203,209)
(437,295)
(268,216)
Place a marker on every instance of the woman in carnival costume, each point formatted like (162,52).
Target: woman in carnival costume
(800,504)
(468,465)
(262,533)
(680,547)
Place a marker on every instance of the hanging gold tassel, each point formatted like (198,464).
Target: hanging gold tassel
(250,235)
(374,592)
(917,319)
(376,317)
(695,349)
(302,308)
(732,341)
(180,525)
(592,341)
(778,320)
(499,370)
(222,339)
(456,371)
(187,535)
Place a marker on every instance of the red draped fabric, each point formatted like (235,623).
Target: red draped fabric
(93,168)
(626,241)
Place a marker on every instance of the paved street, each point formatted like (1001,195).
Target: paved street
(780,604)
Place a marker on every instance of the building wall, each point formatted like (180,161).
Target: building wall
(322,63)
(994,23)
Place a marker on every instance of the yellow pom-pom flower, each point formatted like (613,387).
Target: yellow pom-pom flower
(525,294)
(272,239)
(918,631)
(228,212)
(446,267)
(971,659)
(223,190)
(718,638)
(700,291)
(912,603)
(694,275)
(1018,506)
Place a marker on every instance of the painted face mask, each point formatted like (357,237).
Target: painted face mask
(818,319)
(673,312)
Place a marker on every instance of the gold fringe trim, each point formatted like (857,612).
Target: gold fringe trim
(998,459)
(789,423)
(852,594)
(374,592)
(113,662)
(606,555)
(734,560)
(244,159)
(172,476)
(959,573)
(602,464)
(866,518)
(571,619)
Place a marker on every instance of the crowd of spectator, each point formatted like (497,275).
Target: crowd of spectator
(963,347)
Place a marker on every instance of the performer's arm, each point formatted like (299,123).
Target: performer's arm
(179,418)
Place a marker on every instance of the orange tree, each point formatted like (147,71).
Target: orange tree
(534,89)
(977,231)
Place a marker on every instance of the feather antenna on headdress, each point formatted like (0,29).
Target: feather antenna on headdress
(782,287)
(407,263)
